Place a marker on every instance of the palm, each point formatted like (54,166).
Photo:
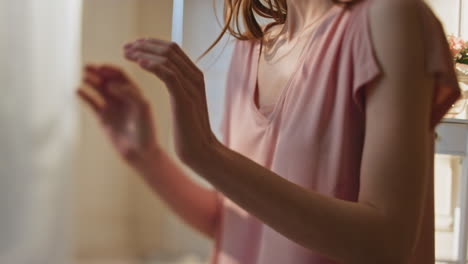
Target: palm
(128,127)
(125,114)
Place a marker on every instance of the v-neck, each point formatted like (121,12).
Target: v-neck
(253,84)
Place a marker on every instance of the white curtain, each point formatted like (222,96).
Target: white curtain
(39,71)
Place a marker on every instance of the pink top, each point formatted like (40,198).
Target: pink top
(314,134)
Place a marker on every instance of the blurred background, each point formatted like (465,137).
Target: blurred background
(65,195)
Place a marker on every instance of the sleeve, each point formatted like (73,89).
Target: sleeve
(438,61)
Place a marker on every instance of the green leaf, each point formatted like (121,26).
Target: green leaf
(463,60)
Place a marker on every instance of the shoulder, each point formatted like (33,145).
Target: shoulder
(382,12)
(242,50)
(395,17)
(397,29)
(388,40)
(396,34)
(242,46)
(395,6)
(241,56)
(398,39)
(376,11)
(385,25)
(386,5)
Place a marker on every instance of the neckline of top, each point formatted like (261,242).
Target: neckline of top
(253,82)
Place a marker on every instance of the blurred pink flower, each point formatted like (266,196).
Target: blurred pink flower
(456,44)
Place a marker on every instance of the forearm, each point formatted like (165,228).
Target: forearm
(346,231)
(195,204)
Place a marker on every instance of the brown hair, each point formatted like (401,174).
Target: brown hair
(246,9)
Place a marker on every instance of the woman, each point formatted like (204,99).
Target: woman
(327,141)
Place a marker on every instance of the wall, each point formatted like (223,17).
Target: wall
(454,16)
(116,215)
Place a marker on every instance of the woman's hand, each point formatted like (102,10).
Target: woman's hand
(186,86)
(123,111)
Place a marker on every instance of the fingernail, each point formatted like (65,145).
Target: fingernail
(129,45)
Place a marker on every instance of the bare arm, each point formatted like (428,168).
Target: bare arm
(395,155)
(127,121)
(393,169)
(196,205)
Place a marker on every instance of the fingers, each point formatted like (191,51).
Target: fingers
(172,45)
(124,95)
(91,68)
(171,65)
(178,82)
(160,65)
(106,72)
(97,84)
(165,49)
(91,101)
(118,82)
(165,70)
(92,79)
(110,72)
(105,80)
(113,73)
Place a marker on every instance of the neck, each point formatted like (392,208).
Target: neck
(302,13)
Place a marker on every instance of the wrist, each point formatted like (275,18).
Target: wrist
(208,157)
(147,163)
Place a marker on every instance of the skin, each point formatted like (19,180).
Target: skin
(282,47)
(126,118)
(381,227)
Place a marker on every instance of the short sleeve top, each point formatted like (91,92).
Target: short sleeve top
(314,134)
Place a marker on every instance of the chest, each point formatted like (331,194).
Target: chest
(276,66)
